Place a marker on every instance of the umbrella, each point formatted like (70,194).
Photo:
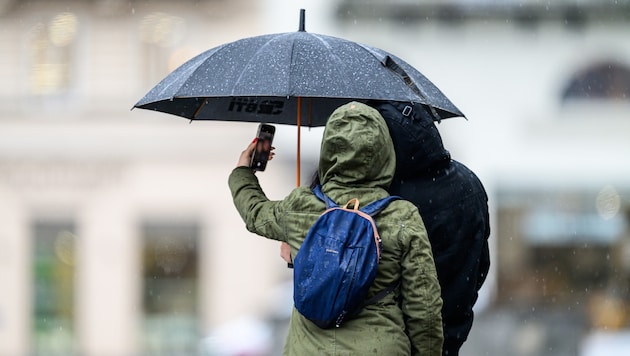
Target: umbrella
(297,78)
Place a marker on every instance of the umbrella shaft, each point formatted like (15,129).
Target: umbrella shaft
(299,133)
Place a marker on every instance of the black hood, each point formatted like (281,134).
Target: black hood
(417,142)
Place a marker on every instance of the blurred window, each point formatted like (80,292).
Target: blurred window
(53,277)
(561,247)
(51,60)
(170,290)
(159,34)
(601,81)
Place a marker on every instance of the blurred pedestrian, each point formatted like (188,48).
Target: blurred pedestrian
(357,160)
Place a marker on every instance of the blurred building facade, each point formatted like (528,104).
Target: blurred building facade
(546,88)
(118,235)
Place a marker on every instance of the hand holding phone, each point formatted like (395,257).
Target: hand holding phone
(263,147)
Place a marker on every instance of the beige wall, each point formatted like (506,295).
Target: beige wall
(109,200)
(89,158)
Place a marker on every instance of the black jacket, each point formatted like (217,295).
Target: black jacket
(454,207)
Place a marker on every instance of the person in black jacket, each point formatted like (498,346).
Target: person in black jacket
(454,207)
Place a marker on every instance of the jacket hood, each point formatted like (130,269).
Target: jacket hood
(357,149)
(417,142)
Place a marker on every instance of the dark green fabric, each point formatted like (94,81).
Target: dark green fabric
(357,161)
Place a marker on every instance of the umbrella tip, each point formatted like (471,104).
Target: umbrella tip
(302,15)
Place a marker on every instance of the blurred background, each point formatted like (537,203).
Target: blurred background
(117,231)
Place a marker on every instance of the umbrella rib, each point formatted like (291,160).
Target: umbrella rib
(394,67)
(203,103)
(333,54)
(193,71)
(367,49)
(384,62)
(391,64)
(291,66)
(259,50)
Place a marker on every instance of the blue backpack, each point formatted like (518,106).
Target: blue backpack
(337,262)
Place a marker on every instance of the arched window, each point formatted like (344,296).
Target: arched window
(606,80)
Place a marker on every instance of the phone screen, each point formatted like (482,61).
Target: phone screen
(263,147)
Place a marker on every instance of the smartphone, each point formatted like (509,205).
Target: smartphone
(263,147)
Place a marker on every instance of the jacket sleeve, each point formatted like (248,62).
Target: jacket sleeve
(484,259)
(261,215)
(420,292)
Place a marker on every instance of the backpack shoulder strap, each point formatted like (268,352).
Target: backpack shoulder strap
(382,294)
(376,207)
(317,190)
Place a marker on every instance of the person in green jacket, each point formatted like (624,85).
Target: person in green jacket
(357,160)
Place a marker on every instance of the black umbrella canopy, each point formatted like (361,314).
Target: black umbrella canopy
(268,78)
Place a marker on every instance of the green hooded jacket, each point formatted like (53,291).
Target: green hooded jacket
(357,160)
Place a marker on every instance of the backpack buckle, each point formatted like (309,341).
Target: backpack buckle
(407,110)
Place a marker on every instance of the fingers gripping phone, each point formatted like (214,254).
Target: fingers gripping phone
(263,147)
